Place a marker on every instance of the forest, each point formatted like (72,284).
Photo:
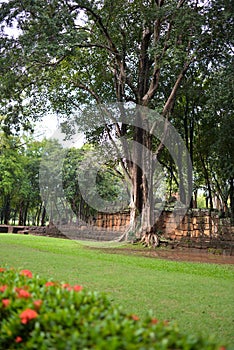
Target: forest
(65,57)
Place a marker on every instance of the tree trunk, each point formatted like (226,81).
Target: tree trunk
(43,216)
(231,181)
(25,214)
(194,199)
(38,214)
(136,199)
(142,199)
(209,201)
(21,210)
(7,210)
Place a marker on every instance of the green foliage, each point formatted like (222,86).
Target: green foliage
(19,177)
(36,314)
(66,54)
(24,177)
(109,184)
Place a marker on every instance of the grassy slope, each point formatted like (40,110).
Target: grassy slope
(199,296)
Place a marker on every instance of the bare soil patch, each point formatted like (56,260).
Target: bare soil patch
(176,254)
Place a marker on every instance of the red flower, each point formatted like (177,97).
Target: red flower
(18,289)
(5,302)
(3,288)
(28,315)
(67,286)
(77,288)
(2,269)
(18,339)
(22,293)
(49,284)
(154,321)
(222,348)
(37,304)
(26,273)
(135,318)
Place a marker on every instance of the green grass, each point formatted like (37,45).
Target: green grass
(200,297)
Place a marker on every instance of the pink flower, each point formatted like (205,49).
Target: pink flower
(18,339)
(154,321)
(135,317)
(49,284)
(28,315)
(77,288)
(67,286)
(37,304)
(6,302)
(26,273)
(22,293)
(3,288)
(17,289)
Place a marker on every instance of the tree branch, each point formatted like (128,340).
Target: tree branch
(104,30)
(168,107)
(88,89)
(180,3)
(156,73)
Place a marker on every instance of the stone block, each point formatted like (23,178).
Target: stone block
(195,227)
(179,232)
(207,232)
(207,219)
(196,233)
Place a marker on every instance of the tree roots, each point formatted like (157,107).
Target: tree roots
(150,240)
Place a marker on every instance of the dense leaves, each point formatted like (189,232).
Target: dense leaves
(19,180)
(31,176)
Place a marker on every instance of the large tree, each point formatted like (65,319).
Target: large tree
(68,53)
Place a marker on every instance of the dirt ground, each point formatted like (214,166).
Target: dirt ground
(176,254)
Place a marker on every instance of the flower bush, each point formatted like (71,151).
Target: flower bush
(40,314)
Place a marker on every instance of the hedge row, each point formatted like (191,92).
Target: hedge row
(40,314)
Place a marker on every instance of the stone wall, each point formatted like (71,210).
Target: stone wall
(114,222)
(196,223)
(203,228)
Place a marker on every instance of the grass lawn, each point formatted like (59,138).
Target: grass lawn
(200,297)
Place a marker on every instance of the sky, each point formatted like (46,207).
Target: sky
(46,127)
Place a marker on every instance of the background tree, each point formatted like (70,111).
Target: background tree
(20,200)
(109,183)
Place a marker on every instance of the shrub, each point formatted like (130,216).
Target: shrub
(40,314)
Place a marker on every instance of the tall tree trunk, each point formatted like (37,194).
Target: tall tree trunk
(2,215)
(194,204)
(25,214)
(43,216)
(142,170)
(7,210)
(147,183)
(208,184)
(21,213)
(137,186)
(231,181)
(38,214)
